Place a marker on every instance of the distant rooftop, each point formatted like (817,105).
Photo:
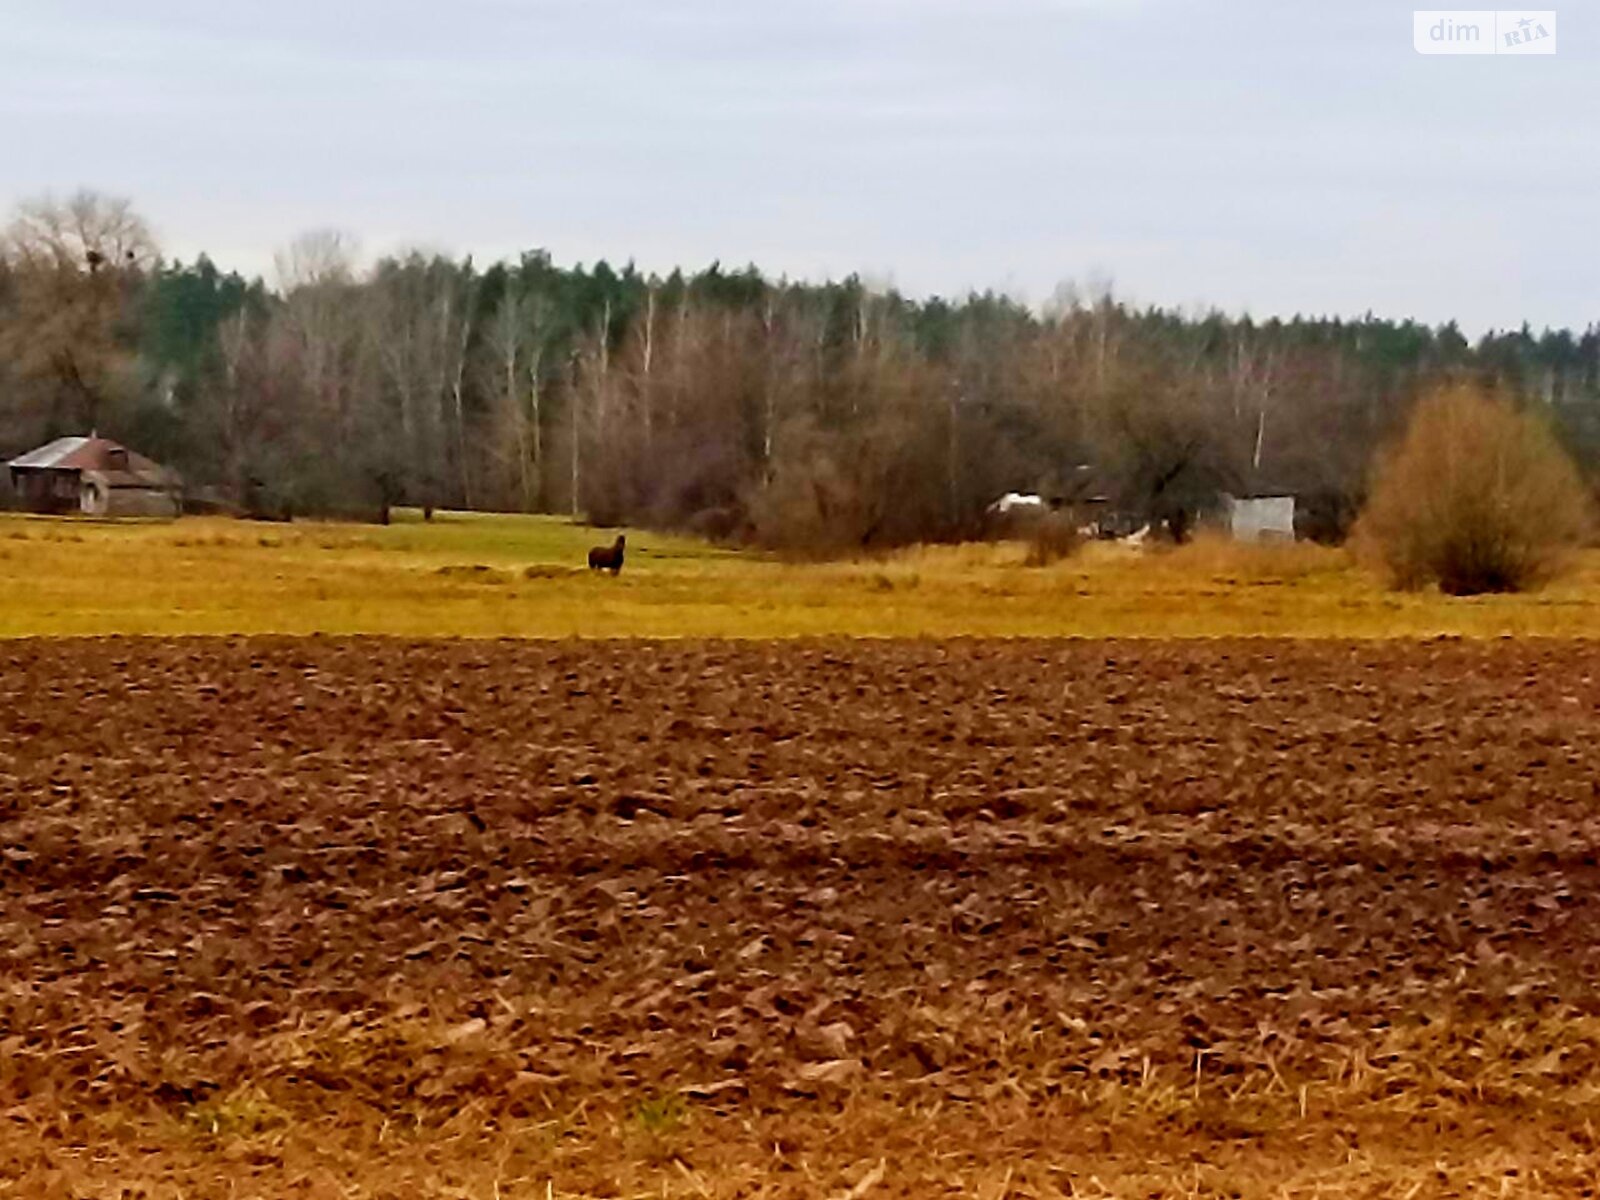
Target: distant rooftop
(90,453)
(54,456)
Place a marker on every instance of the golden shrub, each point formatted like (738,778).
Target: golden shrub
(1477,496)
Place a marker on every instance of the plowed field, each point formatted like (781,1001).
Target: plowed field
(380,918)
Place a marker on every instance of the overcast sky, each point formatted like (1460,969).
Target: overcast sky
(1275,156)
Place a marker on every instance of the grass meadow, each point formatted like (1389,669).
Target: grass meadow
(479,575)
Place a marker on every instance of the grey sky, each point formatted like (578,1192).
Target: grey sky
(1270,155)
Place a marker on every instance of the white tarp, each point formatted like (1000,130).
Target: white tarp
(1016,502)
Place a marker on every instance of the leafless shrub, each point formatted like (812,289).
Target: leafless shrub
(823,497)
(1477,497)
(1053,537)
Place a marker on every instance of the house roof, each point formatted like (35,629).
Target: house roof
(1258,484)
(92,454)
(1260,493)
(52,456)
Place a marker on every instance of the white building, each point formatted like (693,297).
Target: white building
(1260,518)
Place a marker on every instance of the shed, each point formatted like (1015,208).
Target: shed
(95,476)
(1259,518)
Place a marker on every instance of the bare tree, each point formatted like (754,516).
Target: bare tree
(589,410)
(514,347)
(85,232)
(322,371)
(457,304)
(644,383)
(74,267)
(315,258)
(419,330)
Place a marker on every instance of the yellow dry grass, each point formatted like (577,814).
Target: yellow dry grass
(474,575)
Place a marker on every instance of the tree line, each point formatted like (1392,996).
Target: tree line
(811,416)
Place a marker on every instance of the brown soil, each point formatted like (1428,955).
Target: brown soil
(378,918)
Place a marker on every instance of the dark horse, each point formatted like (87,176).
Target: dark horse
(607,558)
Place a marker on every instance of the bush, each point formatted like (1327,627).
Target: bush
(832,494)
(1052,538)
(1476,497)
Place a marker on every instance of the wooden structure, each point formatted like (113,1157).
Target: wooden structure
(93,476)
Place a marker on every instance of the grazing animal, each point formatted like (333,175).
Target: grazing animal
(608,558)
